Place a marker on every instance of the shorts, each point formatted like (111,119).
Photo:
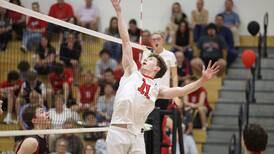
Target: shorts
(121,141)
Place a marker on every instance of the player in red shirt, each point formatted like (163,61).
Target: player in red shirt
(197,100)
(60,82)
(9,90)
(18,20)
(87,93)
(34,30)
(60,10)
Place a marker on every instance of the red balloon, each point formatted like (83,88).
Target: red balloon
(248,58)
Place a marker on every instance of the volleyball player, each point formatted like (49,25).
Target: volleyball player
(36,118)
(137,93)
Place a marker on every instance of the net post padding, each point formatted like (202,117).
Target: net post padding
(52,131)
(52,20)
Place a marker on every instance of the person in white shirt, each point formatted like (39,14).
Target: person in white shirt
(137,94)
(88,16)
(60,113)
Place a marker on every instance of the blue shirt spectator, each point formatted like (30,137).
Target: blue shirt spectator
(231,18)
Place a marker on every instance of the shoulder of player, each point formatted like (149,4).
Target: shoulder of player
(29,144)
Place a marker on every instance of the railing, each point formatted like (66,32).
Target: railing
(266,19)
(232,149)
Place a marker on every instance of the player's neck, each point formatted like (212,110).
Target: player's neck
(158,50)
(147,74)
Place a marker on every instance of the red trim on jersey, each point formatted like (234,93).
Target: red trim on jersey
(147,76)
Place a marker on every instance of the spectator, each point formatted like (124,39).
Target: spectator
(227,35)
(104,63)
(210,47)
(197,101)
(28,86)
(44,57)
(183,40)
(5,29)
(9,91)
(87,93)
(89,149)
(114,48)
(101,146)
(90,121)
(134,31)
(66,32)
(34,30)
(105,104)
(199,19)
(183,67)
(108,78)
(254,139)
(146,38)
(24,69)
(1,111)
(70,53)
(18,20)
(60,113)
(232,21)
(88,16)
(61,147)
(60,81)
(118,72)
(177,16)
(60,10)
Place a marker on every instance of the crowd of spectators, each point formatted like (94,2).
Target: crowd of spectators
(193,40)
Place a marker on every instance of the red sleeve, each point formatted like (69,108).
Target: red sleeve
(69,75)
(70,11)
(51,11)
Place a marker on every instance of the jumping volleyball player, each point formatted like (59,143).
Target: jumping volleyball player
(137,93)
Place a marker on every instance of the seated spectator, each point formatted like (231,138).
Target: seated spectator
(114,48)
(118,72)
(18,20)
(177,16)
(254,139)
(183,40)
(64,34)
(60,81)
(87,93)
(60,10)
(61,147)
(227,35)
(44,57)
(183,67)
(70,53)
(60,113)
(9,91)
(34,30)
(199,19)
(89,149)
(105,104)
(108,78)
(232,21)
(28,86)
(5,29)
(101,145)
(24,69)
(104,63)
(197,101)
(210,47)
(134,31)
(90,121)
(88,16)
(146,38)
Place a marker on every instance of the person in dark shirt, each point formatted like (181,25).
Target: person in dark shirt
(5,29)
(134,31)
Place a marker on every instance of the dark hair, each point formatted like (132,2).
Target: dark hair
(18,1)
(105,51)
(192,78)
(220,15)
(31,75)
(87,113)
(183,35)
(13,76)
(133,21)
(28,114)
(211,26)
(23,66)
(58,68)
(255,138)
(108,70)
(110,28)
(162,64)
(35,3)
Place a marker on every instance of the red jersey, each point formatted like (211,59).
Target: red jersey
(6,84)
(14,16)
(57,81)
(87,92)
(34,23)
(194,97)
(61,11)
(118,73)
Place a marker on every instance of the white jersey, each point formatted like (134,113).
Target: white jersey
(134,101)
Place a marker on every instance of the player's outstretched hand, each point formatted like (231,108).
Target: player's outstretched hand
(116,5)
(210,71)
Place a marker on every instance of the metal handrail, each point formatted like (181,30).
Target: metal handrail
(266,21)
(232,145)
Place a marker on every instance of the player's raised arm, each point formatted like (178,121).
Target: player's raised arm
(169,93)
(127,57)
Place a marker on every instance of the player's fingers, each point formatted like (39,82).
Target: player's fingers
(209,64)
(204,68)
(214,65)
(216,71)
(216,68)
